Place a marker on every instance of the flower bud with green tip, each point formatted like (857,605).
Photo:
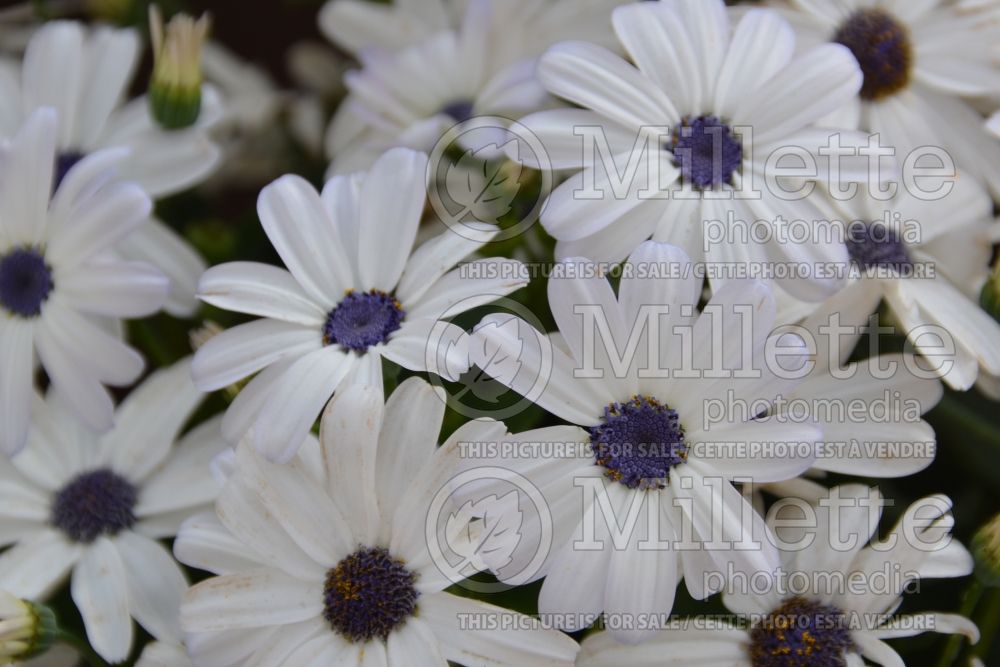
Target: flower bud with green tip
(26,629)
(986,550)
(175,86)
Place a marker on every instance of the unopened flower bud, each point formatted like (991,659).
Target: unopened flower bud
(26,628)
(986,550)
(175,87)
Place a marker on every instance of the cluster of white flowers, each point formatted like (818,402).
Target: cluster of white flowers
(675,378)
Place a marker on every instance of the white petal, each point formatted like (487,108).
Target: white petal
(544,373)
(739,449)
(163,162)
(248,519)
(762,46)
(189,468)
(463,289)
(115,289)
(354,25)
(594,78)
(813,85)
(641,583)
(35,567)
(349,435)
(414,644)
(52,74)
(595,198)
(26,182)
(284,643)
(297,399)
(720,646)
(511,648)
(156,585)
(157,244)
(109,63)
(203,542)
(148,422)
(98,223)
(438,256)
(392,203)
(259,289)
(254,599)
(100,592)
(298,224)
(428,344)
(734,535)
(15,382)
(245,349)
(876,650)
(301,507)
(409,436)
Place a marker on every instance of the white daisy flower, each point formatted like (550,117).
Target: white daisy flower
(927,259)
(484,67)
(920,60)
(85,74)
(325,561)
(617,411)
(830,624)
(355,292)
(96,506)
(695,82)
(57,278)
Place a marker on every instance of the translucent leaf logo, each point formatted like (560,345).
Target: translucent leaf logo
(493,366)
(488,519)
(483,185)
(477,168)
(487,532)
(501,361)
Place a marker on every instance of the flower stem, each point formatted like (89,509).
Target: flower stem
(969,602)
(85,650)
(988,621)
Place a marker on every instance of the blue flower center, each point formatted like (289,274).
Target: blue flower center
(877,246)
(638,442)
(882,47)
(363,319)
(64,162)
(460,110)
(706,152)
(801,633)
(25,282)
(100,502)
(368,594)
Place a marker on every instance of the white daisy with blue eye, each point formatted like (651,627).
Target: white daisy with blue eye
(646,432)
(829,624)
(691,119)
(927,259)
(85,75)
(355,291)
(325,561)
(92,508)
(57,278)
(483,65)
(921,61)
